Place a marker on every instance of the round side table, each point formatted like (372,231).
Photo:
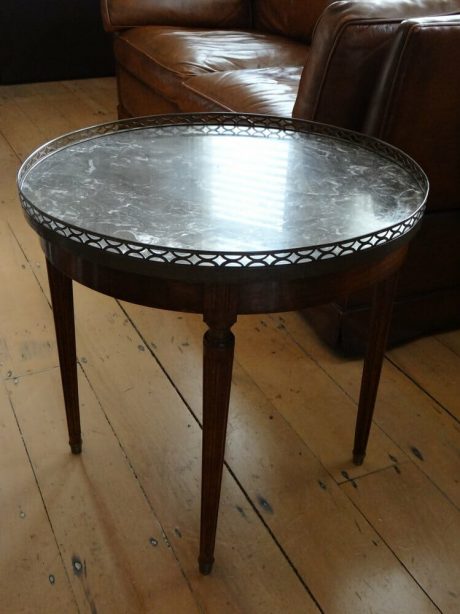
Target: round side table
(222,214)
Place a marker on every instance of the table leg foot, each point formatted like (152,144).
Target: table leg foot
(205,566)
(75,447)
(358,458)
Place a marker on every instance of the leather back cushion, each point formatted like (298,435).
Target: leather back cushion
(293,18)
(216,13)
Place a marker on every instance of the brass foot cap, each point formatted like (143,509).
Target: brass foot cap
(76,447)
(205,567)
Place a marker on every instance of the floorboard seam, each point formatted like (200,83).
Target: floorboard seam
(420,387)
(45,507)
(141,487)
(393,552)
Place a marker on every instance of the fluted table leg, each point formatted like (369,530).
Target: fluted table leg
(217,378)
(218,348)
(378,333)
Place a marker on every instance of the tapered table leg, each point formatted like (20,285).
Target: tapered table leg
(217,376)
(378,334)
(63,312)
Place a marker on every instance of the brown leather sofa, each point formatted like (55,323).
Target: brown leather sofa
(386,67)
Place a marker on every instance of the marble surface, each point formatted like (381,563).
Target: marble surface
(222,192)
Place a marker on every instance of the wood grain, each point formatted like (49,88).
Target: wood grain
(403,497)
(30,555)
(440,378)
(419,427)
(108,534)
(27,339)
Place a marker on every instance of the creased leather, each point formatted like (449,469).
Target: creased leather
(349,45)
(416,106)
(163,57)
(271,91)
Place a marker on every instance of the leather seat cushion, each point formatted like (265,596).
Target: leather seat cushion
(163,57)
(271,91)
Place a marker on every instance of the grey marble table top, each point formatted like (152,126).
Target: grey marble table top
(222,190)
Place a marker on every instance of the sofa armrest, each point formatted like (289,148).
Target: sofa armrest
(349,46)
(119,14)
(416,103)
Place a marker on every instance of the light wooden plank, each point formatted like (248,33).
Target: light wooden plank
(7,157)
(32,574)
(102,93)
(451,340)
(10,208)
(80,112)
(413,420)
(39,103)
(27,341)
(9,201)
(101,519)
(21,249)
(435,367)
(36,113)
(163,442)
(421,525)
(321,533)
(18,129)
(47,115)
(20,90)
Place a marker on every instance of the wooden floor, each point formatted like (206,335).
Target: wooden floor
(301,529)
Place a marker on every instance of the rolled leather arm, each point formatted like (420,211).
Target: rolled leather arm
(416,103)
(348,49)
(119,14)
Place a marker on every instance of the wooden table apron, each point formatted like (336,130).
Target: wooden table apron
(220,294)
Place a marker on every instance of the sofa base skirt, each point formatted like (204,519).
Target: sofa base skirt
(345,329)
(427,299)
(137,99)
